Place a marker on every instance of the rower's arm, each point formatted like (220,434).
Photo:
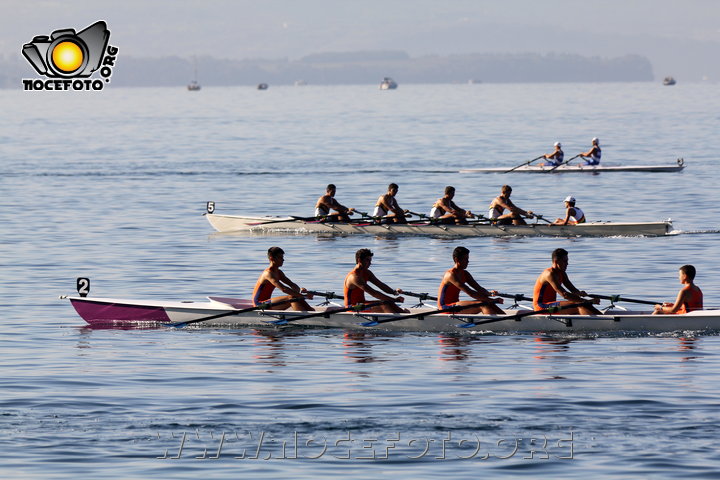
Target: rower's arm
(382,286)
(678,302)
(478,289)
(289,283)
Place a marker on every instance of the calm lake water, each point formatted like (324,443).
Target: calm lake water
(112,186)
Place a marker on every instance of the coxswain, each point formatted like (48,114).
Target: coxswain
(458,279)
(501,203)
(555,158)
(573,214)
(272,278)
(327,202)
(359,280)
(553,281)
(592,156)
(689,298)
(387,209)
(444,210)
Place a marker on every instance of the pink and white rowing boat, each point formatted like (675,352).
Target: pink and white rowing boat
(231,312)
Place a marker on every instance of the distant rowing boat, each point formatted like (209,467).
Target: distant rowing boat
(240,223)
(572,168)
(120,313)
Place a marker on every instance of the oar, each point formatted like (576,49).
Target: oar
(292,218)
(523,164)
(563,163)
(451,309)
(323,294)
(542,217)
(260,306)
(618,298)
(520,315)
(421,296)
(326,313)
(515,296)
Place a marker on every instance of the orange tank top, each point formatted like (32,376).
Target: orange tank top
(354,295)
(695,302)
(544,292)
(263,291)
(449,294)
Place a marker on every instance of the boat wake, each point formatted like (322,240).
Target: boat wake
(694,232)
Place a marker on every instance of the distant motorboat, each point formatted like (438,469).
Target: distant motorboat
(262,86)
(669,81)
(388,84)
(300,83)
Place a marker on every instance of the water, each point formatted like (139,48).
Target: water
(113,187)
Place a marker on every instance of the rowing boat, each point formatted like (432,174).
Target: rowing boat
(581,168)
(240,223)
(120,313)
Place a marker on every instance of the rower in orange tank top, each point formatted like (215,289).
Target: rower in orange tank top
(272,278)
(690,297)
(553,281)
(458,279)
(359,281)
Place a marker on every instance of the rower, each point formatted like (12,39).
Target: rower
(592,156)
(501,203)
(444,210)
(458,279)
(553,281)
(358,281)
(555,158)
(387,209)
(573,214)
(272,278)
(327,202)
(689,298)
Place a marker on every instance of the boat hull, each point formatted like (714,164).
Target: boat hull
(238,223)
(580,169)
(104,312)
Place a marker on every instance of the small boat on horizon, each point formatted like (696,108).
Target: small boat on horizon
(388,84)
(669,81)
(194,86)
(262,86)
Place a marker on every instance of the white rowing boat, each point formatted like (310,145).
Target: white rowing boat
(581,168)
(228,312)
(240,223)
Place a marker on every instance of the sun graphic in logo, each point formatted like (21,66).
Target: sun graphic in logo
(67,56)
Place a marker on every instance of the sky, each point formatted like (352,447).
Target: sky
(679,37)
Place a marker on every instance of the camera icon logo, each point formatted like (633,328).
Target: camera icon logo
(68,54)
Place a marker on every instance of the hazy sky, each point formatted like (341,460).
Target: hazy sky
(677,36)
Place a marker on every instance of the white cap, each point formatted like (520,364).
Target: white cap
(595,140)
(557,144)
(570,199)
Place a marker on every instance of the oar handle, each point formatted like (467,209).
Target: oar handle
(515,296)
(618,298)
(421,296)
(323,294)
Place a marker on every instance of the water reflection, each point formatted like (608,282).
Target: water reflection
(547,347)
(270,346)
(454,347)
(687,344)
(357,348)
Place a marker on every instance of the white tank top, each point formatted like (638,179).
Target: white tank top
(579,216)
